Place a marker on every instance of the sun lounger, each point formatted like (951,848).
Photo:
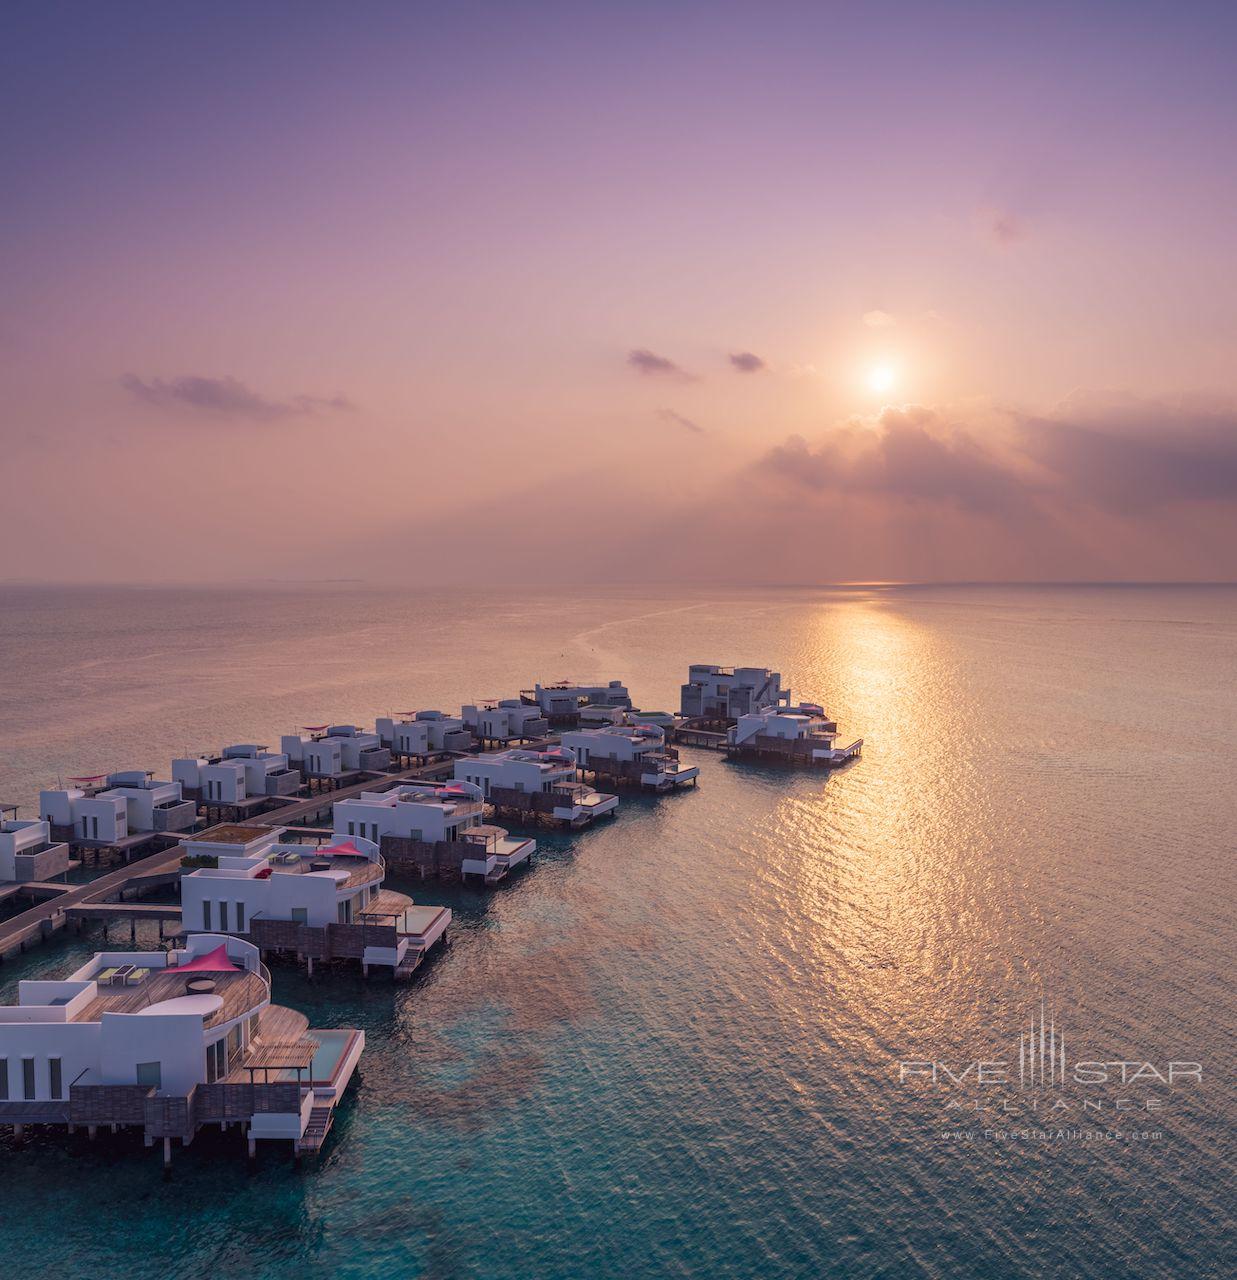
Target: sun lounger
(105,976)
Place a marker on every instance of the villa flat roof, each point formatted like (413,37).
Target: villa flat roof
(231,833)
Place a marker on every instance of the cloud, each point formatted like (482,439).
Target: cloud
(878,319)
(678,420)
(652,365)
(227,397)
(912,454)
(1001,226)
(1127,458)
(746,362)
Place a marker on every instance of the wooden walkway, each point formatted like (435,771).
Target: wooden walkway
(299,812)
(47,917)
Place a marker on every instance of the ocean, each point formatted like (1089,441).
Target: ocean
(732,1032)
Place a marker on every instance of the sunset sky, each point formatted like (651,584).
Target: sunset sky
(704,292)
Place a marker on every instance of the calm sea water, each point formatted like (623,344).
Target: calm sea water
(671,1048)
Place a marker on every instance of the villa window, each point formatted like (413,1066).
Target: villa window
(240,917)
(56,1077)
(223,917)
(206,914)
(351,830)
(150,1073)
(4,1079)
(27,1079)
(300,915)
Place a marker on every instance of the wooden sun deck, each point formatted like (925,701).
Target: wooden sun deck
(240,992)
(386,904)
(277,1025)
(360,870)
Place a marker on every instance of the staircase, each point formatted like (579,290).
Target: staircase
(316,1130)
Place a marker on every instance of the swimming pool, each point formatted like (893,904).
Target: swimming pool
(332,1046)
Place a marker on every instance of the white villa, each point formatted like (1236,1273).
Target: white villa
(27,851)
(508,720)
(329,752)
(242,778)
(726,693)
(433,828)
(169,1042)
(562,701)
(420,734)
(631,754)
(116,810)
(801,734)
(535,783)
(318,902)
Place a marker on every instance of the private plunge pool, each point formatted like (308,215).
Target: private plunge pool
(334,1048)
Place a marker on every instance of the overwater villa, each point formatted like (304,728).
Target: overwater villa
(168,1042)
(121,811)
(27,850)
(331,755)
(504,720)
(405,737)
(535,785)
(418,736)
(629,755)
(560,703)
(726,693)
(317,903)
(800,734)
(243,780)
(435,829)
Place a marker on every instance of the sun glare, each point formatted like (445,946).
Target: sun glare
(882,378)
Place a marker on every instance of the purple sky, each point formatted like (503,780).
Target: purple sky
(754,293)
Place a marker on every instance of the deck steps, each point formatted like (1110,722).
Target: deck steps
(319,1126)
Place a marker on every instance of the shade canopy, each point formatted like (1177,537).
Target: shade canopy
(347,848)
(212,962)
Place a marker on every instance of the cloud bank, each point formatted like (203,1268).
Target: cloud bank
(651,365)
(746,362)
(227,398)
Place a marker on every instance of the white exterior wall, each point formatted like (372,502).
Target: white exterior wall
(412,739)
(76,1044)
(502,771)
(224,783)
(373,815)
(16,837)
(188,772)
(275,898)
(610,744)
(324,758)
(57,806)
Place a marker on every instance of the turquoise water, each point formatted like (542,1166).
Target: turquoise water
(671,1047)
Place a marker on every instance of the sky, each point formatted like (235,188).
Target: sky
(778,293)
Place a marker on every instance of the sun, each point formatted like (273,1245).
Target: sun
(882,378)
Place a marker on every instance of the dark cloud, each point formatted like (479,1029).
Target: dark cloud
(1141,459)
(227,397)
(1122,458)
(678,420)
(913,454)
(746,362)
(652,365)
